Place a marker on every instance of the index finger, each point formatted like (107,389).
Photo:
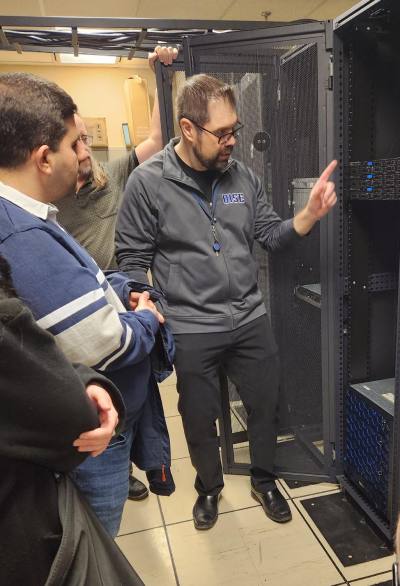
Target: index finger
(330,168)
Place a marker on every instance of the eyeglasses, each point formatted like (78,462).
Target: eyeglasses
(87,139)
(222,138)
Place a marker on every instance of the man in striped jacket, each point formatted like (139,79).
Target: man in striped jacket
(67,293)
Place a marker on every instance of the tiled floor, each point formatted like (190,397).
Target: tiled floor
(245,548)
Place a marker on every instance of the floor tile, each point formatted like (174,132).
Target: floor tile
(148,553)
(139,515)
(374,581)
(169,398)
(178,507)
(285,554)
(351,572)
(170,381)
(308,490)
(179,447)
(217,557)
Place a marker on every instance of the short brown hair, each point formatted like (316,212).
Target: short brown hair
(197,92)
(33,112)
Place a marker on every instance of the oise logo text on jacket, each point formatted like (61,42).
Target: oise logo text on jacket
(228,198)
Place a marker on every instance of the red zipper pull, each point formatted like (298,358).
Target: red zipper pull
(164,478)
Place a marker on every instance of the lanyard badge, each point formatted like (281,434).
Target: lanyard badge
(216,244)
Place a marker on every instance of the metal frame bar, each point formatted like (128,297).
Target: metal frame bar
(74,41)
(350,14)
(3,38)
(188,57)
(394,490)
(241,470)
(338,289)
(136,23)
(140,40)
(141,53)
(327,254)
(238,38)
(165,99)
(366,507)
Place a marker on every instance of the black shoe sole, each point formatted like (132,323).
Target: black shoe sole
(204,527)
(140,497)
(267,512)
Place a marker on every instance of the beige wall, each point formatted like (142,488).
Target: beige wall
(98,91)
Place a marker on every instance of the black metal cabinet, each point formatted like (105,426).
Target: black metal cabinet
(367,141)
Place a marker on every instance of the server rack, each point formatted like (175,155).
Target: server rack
(366,55)
(356,293)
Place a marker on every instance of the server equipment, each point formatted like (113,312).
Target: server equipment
(368,458)
(378,179)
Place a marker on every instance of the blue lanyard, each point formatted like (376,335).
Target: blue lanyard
(211,217)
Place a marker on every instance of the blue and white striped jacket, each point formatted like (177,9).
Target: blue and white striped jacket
(70,297)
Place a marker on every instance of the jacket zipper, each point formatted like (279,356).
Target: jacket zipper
(212,220)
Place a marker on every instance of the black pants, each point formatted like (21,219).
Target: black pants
(249,356)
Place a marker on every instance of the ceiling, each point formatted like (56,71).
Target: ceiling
(282,10)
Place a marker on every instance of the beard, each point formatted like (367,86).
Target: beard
(85,168)
(212,163)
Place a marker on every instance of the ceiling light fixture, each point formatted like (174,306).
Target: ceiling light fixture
(70,59)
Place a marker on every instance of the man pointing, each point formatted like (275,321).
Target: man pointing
(191,214)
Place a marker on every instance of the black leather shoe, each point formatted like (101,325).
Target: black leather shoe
(137,490)
(205,512)
(274,505)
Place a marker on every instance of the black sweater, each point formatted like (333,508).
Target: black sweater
(43,409)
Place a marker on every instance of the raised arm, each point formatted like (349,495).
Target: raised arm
(154,143)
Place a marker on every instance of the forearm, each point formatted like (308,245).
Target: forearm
(304,221)
(154,143)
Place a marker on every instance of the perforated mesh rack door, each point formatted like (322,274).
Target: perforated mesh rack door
(281,96)
(281,81)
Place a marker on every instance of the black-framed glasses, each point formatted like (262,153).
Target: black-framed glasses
(222,138)
(87,139)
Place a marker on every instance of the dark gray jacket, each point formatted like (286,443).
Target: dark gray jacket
(164,224)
